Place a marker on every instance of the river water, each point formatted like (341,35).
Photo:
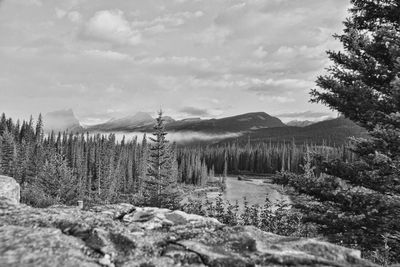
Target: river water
(255,191)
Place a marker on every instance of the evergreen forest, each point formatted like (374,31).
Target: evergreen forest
(347,194)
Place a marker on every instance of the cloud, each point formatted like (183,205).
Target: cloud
(37,3)
(106,54)
(277,99)
(156,29)
(112,26)
(171,19)
(192,111)
(60,13)
(74,16)
(112,89)
(306,114)
(159,53)
(238,6)
(177,19)
(213,35)
(188,136)
(178,137)
(260,52)
(304,51)
(278,87)
(167,22)
(176,60)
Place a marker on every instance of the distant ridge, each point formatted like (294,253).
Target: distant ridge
(143,122)
(256,126)
(332,132)
(234,124)
(127,123)
(61,120)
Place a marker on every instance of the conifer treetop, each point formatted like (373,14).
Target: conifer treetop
(361,82)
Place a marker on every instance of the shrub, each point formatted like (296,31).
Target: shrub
(279,219)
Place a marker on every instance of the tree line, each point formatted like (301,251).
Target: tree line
(94,167)
(263,157)
(64,167)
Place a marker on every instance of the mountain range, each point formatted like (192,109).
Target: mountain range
(61,120)
(143,122)
(126,124)
(239,123)
(256,126)
(332,132)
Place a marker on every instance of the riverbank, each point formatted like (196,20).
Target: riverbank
(254,190)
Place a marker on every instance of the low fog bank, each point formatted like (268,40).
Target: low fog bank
(178,137)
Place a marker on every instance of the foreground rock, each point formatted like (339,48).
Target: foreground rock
(9,188)
(124,235)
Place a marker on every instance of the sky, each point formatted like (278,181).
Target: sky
(192,58)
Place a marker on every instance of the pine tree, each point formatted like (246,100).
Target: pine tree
(56,180)
(39,129)
(142,170)
(246,214)
(159,171)
(3,123)
(363,84)
(225,172)
(17,129)
(7,153)
(174,165)
(204,173)
(212,173)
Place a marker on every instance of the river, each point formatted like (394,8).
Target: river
(255,191)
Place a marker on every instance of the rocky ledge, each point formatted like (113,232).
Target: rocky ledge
(124,235)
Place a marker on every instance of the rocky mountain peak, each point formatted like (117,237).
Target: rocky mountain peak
(61,120)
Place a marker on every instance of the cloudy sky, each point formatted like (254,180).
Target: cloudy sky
(193,58)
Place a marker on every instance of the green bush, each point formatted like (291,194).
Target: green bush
(279,219)
(34,196)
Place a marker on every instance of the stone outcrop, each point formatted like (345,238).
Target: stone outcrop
(9,188)
(124,235)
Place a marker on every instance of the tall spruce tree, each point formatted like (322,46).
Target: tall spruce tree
(159,172)
(143,160)
(56,180)
(7,153)
(39,129)
(363,84)
(3,123)
(225,172)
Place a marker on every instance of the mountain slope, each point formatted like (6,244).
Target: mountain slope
(234,124)
(128,123)
(257,126)
(335,131)
(61,120)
